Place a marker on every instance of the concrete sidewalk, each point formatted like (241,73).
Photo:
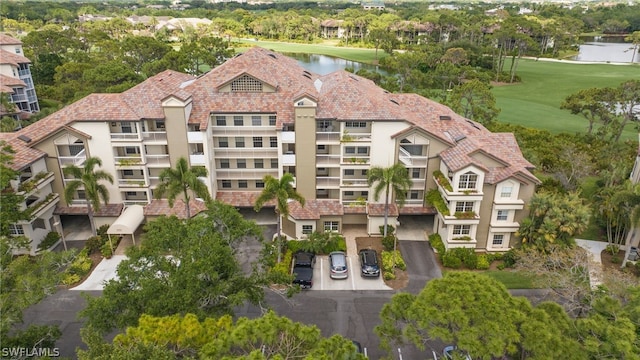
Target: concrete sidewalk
(105,271)
(594,248)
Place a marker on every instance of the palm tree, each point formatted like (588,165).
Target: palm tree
(280,191)
(394,178)
(89,179)
(183,180)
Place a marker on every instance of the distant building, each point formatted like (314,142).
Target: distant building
(373,5)
(15,79)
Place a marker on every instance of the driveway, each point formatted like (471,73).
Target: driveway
(322,280)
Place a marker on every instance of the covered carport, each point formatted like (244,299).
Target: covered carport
(127,223)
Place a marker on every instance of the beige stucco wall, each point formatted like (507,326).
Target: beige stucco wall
(305,129)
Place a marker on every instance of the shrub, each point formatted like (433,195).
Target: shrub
(48,241)
(284,266)
(106,251)
(468,257)
(616,260)
(450,260)
(390,229)
(94,243)
(613,249)
(483,262)
(70,279)
(388,242)
(388,275)
(436,243)
(388,260)
(510,258)
(102,230)
(81,264)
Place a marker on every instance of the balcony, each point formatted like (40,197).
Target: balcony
(38,207)
(417,184)
(246,153)
(35,183)
(323,160)
(154,181)
(411,160)
(161,160)
(77,160)
(135,202)
(254,174)
(327,137)
(355,137)
(352,159)
(328,181)
(197,159)
(288,137)
(132,182)
(195,137)
(154,136)
(355,182)
(289,160)
(125,136)
(131,160)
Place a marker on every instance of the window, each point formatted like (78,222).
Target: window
(75,149)
(324,126)
(224,163)
(364,194)
(307,229)
(468,181)
(363,150)
(223,142)
(356,124)
(273,141)
(415,173)
(16,229)
(349,150)
(240,142)
(256,120)
(272,120)
(461,229)
(241,163)
(126,127)
(160,125)
(221,120)
(259,184)
(498,239)
(274,163)
(502,215)
(414,195)
(322,147)
(127,172)
(258,163)
(226,184)
(131,193)
(464,206)
(349,172)
(348,193)
(238,120)
(506,191)
(242,184)
(132,150)
(331,226)
(257,141)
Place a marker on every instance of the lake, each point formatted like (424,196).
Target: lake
(606,49)
(323,64)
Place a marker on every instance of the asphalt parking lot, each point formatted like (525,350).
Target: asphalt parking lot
(322,280)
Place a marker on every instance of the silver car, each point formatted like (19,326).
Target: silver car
(338,265)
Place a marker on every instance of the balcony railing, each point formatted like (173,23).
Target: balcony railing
(328,160)
(245,173)
(355,159)
(39,205)
(288,137)
(76,160)
(327,136)
(154,135)
(251,152)
(132,182)
(36,182)
(132,160)
(135,202)
(354,182)
(125,136)
(411,160)
(327,181)
(288,159)
(197,159)
(154,181)
(158,159)
(353,137)
(195,137)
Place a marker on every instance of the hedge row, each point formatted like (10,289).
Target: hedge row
(457,258)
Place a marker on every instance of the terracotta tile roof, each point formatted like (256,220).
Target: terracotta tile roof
(109,210)
(6,83)
(241,198)
(315,208)
(6,39)
(272,68)
(8,57)
(159,207)
(24,155)
(140,102)
(417,210)
(378,209)
(500,146)
(348,209)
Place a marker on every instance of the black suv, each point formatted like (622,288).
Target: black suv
(369,263)
(302,270)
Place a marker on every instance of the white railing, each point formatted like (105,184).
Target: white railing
(76,160)
(328,159)
(128,160)
(154,135)
(354,182)
(154,180)
(245,173)
(159,159)
(288,137)
(327,181)
(288,159)
(328,136)
(132,182)
(355,159)
(195,136)
(414,202)
(405,157)
(349,136)
(249,152)
(125,136)
(135,202)
(197,159)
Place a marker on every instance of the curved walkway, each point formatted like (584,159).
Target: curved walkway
(594,248)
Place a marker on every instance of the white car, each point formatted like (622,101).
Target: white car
(452,352)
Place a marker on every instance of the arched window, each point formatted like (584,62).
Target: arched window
(468,180)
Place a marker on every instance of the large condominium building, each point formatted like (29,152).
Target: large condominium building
(261,113)
(15,77)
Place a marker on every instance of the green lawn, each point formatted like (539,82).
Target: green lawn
(534,103)
(511,279)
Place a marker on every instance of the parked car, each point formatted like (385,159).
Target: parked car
(303,263)
(338,265)
(451,352)
(369,266)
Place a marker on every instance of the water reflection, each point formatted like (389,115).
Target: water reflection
(323,64)
(606,49)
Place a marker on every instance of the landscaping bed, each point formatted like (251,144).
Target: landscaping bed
(375,243)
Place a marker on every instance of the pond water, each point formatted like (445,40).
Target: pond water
(323,64)
(606,49)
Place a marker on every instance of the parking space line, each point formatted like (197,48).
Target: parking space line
(353,281)
(321,274)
